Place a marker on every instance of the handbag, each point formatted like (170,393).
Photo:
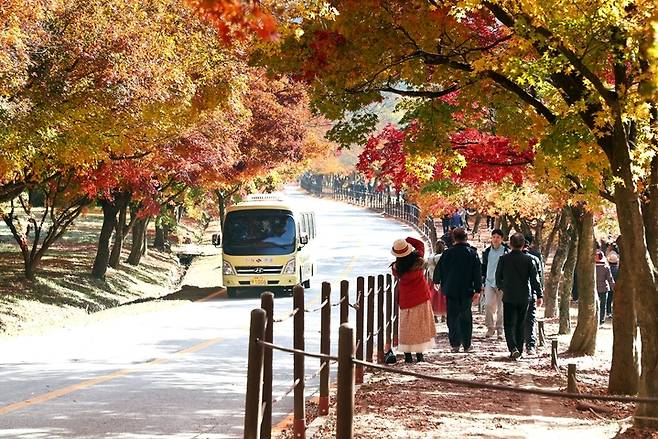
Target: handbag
(390,358)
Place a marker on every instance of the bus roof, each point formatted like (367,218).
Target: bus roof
(262,201)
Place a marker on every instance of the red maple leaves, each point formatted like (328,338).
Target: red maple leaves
(238,18)
(489,158)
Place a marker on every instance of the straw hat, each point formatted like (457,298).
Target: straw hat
(401,248)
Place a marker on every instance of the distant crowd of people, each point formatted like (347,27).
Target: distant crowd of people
(509,275)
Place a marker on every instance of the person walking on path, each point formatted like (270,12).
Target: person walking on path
(613,260)
(417,328)
(493,297)
(536,300)
(517,276)
(459,274)
(438,299)
(604,283)
(456,220)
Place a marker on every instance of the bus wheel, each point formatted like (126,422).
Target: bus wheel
(231,292)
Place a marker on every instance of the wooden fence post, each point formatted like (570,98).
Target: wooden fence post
(380,319)
(253,395)
(360,294)
(345,301)
(370,336)
(389,312)
(345,391)
(554,363)
(325,347)
(267,303)
(299,422)
(541,335)
(572,387)
(396,312)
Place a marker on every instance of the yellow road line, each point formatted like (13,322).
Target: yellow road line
(111,376)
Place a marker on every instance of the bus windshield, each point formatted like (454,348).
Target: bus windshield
(259,232)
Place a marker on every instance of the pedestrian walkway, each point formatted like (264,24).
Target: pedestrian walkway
(396,406)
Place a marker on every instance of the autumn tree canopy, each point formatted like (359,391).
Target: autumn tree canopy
(577,79)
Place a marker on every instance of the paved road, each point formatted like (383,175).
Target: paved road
(177,372)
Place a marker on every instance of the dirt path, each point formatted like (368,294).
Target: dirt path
(396,406)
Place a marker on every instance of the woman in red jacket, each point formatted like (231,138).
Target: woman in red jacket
(417,328)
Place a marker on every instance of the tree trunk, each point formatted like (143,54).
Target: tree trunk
(120,233)
(625,370)
(583,341)
(539,238)
(635,254)
(138,241)
(566,286)
(110,210)
(551,236)
(650,212)
(557,267)
(476,224)
(504,225)
(145,245)
(159,241)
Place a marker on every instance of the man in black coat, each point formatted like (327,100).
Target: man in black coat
(535,301)
(458,272)
(517,276)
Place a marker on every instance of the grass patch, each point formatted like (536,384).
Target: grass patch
(64,286)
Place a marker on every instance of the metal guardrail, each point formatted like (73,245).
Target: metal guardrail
(390,202)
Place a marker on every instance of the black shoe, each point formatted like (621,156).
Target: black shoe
(515,354)
(419,357)
(408,358)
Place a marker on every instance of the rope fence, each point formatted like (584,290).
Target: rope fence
(382,301)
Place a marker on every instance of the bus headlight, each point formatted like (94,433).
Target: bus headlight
(290,267)
(227,268)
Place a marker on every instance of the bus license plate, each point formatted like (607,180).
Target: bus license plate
(259,281)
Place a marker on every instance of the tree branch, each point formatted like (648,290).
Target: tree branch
(421,93)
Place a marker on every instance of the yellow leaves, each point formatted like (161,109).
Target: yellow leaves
(421,166)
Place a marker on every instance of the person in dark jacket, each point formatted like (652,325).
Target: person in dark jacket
(604,283)
(535,301)
(447,237)
(517,276)
(613,260)
(459,275)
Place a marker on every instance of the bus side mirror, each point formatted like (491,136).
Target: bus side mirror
(303,239)
(216,239)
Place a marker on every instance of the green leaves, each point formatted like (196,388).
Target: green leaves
(354,130)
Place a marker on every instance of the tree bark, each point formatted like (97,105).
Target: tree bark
(551,236)
(583,341)
(120,231)
(476,224)
(625,370)
(145,245)
(504,225)
(566,286)
(110,210)
(159,241)
(557,267)
(137,242)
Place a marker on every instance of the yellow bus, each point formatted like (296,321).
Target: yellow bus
(267,245)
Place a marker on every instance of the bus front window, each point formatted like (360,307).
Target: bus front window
(259,232)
